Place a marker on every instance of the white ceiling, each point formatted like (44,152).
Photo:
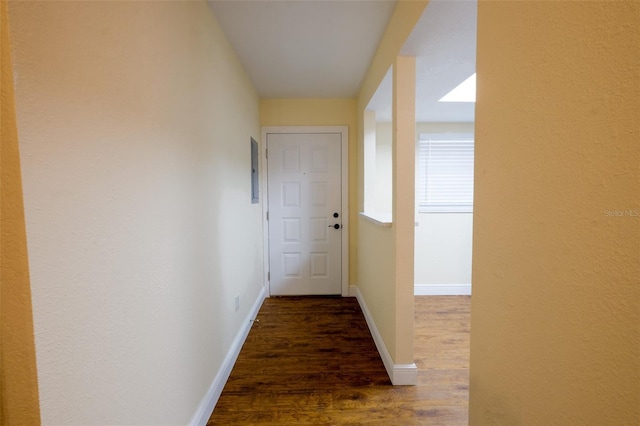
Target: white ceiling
(444,44)
(322,49)
(304,49)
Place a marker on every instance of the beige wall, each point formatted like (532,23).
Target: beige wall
(404,195)
(388,302)
(134,122)
(442,240)
(436,127)
(322,112)
(18,376)
(443,248)
(384,168)
(555,316)
(375,275)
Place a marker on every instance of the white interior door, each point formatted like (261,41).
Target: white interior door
(304,190)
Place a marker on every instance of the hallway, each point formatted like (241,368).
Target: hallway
(301,365)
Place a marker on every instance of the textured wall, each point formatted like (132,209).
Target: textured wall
(18,377)
(323,112)
(134,121)
(556,271)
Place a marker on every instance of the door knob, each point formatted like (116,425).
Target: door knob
(336,226)
(336,215)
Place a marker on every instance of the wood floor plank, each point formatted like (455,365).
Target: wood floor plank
(312,361)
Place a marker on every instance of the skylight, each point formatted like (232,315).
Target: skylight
(463,92)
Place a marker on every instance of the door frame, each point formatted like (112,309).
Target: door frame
(344,178)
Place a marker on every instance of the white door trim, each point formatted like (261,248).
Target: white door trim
(344,152)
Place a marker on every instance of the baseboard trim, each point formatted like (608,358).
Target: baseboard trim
(400,374)
(442,290)
(208,403)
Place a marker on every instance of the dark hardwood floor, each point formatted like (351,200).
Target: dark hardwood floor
(311,361)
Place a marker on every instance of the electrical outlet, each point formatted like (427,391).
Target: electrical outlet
(237,303)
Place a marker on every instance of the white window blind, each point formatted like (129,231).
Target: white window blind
(445,173)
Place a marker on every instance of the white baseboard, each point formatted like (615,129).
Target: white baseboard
(442,290)
(202,414)
(400,374)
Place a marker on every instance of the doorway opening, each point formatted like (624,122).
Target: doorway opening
(444,44)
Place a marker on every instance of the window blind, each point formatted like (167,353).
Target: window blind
(445,178)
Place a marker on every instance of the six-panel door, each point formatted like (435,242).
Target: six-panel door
(304,184)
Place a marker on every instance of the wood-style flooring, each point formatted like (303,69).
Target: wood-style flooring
(312,361)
